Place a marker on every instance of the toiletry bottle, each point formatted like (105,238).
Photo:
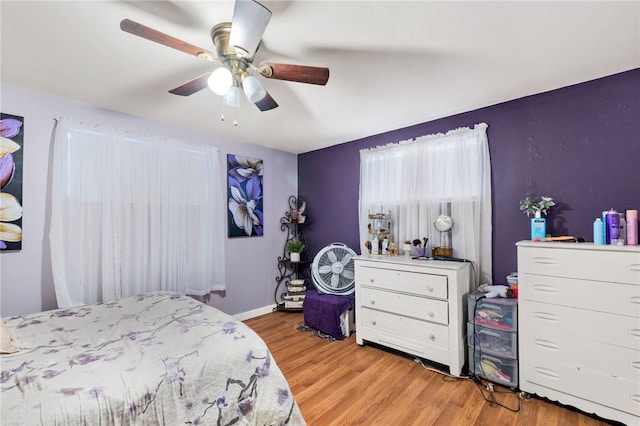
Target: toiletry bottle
(538,228)
(632,227)
(613,227)
(623,229)
(375,248)
(606,232)
(598,232)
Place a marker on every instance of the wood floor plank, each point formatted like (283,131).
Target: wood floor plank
(340,383)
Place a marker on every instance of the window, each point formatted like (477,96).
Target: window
(132,214)
(420,179)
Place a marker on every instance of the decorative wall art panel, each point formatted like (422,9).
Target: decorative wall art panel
(245,198)
(11,147)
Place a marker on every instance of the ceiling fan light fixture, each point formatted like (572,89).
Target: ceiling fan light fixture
(232,98)
(250,20)
(253,89)
(235,45)
(220,81)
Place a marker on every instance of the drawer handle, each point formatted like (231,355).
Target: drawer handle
(431,314)
(545,288)
(635,267)
(634,299)
(634,332)
(545,316)
(636,365)
(547,344)
(432,337)
(547,373)
(373,302)
(544,260)
(635,398)
(371,279)
(430,289)
(373,322)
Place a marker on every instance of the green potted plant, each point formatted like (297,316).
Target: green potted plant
(537,207)
(295,246)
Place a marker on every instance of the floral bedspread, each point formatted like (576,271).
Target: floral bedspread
(157,359)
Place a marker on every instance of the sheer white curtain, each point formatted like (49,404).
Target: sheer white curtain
(133,213)
(417,180)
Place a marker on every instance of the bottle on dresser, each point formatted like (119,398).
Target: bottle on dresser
(616,228)
(632,227)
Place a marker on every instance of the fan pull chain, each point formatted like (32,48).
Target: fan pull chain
(235,120)
(235,110)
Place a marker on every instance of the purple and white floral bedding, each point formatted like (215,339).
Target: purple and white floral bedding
(157,359)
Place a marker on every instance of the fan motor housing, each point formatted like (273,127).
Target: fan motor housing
(220,37)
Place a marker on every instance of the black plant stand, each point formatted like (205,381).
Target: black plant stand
(288,270)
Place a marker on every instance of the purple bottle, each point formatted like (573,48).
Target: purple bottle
(613,227)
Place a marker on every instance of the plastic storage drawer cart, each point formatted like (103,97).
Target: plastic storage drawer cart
(492,337)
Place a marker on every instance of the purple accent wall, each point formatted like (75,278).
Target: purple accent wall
(578,144)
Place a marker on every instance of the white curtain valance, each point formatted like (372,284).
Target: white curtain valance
(424,138)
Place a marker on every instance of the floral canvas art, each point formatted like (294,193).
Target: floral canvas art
(245,198)
(11,142)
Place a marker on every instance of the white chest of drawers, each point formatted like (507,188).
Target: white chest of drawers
(579,317)
(415,306)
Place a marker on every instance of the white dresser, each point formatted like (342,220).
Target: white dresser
(579,326)
(415,306)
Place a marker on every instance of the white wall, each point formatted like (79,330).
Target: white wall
(26,282)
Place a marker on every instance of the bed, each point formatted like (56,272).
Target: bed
(157,359)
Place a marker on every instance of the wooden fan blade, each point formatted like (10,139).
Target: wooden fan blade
(266,103)
(192,86)
(143,31)
(298,73)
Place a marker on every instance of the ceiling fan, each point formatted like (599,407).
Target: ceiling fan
(235,44)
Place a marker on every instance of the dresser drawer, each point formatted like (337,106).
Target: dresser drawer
(492,341)
(411,306)
(401,332)
(498,369)
(623,299)
(554,323)
(409,282)
(585,354)
(609,266)
(574,377)
(498,312)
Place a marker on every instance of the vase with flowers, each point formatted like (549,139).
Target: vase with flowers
(537,207)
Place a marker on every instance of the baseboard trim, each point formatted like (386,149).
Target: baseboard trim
(255,312)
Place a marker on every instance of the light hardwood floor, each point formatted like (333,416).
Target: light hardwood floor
(342,383)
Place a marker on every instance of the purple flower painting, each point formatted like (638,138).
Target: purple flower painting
(244,179)
(11,140)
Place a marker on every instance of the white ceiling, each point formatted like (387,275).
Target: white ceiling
(393,64)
